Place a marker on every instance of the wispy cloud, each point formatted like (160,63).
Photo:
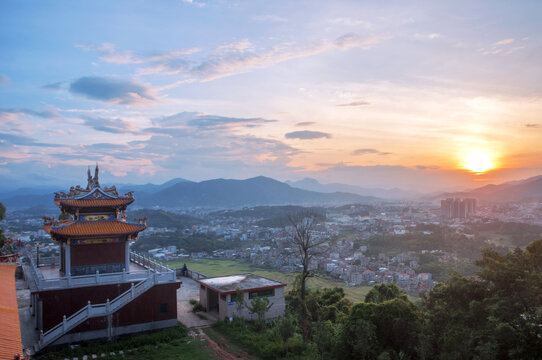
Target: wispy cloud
(307,135)
(194,2)
(109,53)
(51,113)
(110,125)
(503,47)
(206,121)
(227,59)
(504,42)
(270,18)
(112,90)
(367,151)
(355,103)
(7,139)
(533,125)
(427,167)
(53,86)
(430,36)
(305,123)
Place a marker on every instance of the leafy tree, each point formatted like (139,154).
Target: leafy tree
(498,316)
(383,292)
(260,306)
(239,298)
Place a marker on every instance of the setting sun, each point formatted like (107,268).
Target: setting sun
(478,162)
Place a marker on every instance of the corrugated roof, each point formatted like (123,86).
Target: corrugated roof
(10,330)
(95,202)
(80,228)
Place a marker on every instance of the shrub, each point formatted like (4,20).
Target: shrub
(196,306)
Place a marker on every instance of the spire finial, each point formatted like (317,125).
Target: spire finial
(90,182)
(96,181)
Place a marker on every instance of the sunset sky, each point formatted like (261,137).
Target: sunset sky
(408,94)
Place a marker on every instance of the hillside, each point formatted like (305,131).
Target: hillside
(161,218)
(314,185)
(225,193)
(515,191)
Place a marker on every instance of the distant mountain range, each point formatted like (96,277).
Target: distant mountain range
(313,185)
(217,193)
(513,191)
(227,193)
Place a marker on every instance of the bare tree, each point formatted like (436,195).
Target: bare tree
(302,240)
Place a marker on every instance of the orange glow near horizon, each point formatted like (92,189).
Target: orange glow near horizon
(478,161)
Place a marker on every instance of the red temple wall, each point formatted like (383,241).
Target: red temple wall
(145,308)
(98,254)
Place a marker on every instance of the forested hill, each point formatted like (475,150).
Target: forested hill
(163,219)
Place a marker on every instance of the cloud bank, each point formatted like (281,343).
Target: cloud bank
(112,90)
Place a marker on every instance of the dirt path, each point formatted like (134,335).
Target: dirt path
(222,348)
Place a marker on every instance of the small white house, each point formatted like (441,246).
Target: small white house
(219,294)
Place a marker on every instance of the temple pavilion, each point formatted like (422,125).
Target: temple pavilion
(98,288)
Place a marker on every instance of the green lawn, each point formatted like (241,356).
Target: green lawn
(211,267)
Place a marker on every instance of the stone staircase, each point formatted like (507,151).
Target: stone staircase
(94,310)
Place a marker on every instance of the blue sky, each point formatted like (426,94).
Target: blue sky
(372,93)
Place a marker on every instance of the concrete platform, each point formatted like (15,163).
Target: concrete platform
(190,290)
(29,334)
(53,272)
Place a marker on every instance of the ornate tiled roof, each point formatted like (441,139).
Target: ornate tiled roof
(93,196)
(95,202)
(93,228)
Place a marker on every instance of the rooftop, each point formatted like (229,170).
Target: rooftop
(244,282)
(93,203)
(85,228)
(10,331)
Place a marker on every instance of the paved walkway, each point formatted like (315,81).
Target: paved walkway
(29,334)
(190,290)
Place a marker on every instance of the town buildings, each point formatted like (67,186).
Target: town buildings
(457,208)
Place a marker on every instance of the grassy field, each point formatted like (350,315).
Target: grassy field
(211,267)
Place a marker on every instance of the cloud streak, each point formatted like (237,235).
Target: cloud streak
(7,139)
(355,103)
(307,135)
(46,114)
(369,151)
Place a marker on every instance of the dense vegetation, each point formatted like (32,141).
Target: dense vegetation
(440,238)
(175,343)
(517,234)
(497,315)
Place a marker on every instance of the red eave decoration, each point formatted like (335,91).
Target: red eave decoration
(98,228)
(95,203)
